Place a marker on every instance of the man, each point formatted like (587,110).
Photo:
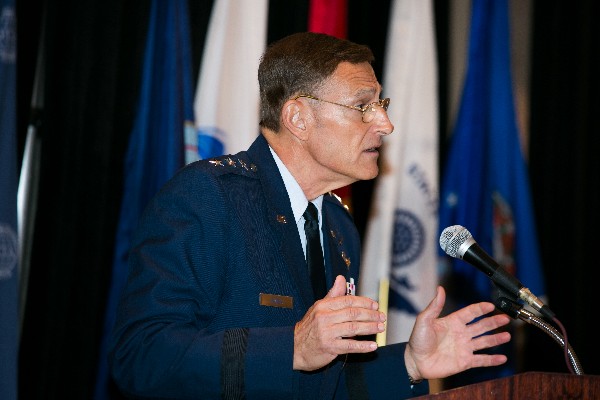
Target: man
(219,302)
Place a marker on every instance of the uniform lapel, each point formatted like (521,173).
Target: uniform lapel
(336,258)
(281,220)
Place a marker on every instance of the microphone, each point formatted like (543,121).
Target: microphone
(458,242)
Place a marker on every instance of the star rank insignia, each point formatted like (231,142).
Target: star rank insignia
(346,259)
(230,162)
(243,164)
(338,238)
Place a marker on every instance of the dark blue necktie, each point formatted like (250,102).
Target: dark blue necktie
(314,252)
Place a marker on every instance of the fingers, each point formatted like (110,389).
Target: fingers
(483,341)
(488,360)
(488,341)
(348,316)
(345,302)
(353,329)
(348,322)
(488,324)
(345,346)
(473,311)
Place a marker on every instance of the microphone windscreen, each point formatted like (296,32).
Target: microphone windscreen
(452,238)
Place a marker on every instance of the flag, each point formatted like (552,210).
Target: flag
(226,105)
(485,186)
(328,16)
(331,17)
(401,235)
(9,249)
(155,150)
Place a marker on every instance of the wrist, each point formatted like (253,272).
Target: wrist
(414,377)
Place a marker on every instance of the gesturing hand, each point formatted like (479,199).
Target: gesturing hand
(328,326)
(440,347)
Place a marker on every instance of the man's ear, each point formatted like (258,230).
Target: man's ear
(293,117)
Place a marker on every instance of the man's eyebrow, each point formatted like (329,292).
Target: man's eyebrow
(368,91)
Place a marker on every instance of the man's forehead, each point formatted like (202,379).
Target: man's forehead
(358,79)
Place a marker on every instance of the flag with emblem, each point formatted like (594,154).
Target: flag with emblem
(9,249)
(155,149)
(485,185)
(401,238)
(226,105)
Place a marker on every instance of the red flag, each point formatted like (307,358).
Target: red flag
(331,17)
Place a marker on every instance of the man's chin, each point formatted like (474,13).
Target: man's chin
(370,174)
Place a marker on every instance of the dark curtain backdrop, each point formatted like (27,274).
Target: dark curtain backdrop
(93,63)
(565,172)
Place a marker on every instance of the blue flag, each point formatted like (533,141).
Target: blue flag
(9,251)
(155,149)
(485,185)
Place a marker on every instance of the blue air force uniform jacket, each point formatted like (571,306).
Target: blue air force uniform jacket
(217,282)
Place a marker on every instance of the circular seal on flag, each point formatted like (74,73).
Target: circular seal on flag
(409,238)
(8,251)
(211,142)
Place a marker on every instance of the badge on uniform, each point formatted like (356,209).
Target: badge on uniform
(350,288)
(274,300)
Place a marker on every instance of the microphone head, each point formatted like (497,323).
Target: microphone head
(452,238)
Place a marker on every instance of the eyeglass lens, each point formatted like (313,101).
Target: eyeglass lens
(369,113)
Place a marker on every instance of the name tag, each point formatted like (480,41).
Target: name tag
(274,300)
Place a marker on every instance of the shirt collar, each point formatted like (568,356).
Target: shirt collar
(297,198)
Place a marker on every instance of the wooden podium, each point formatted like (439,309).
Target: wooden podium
(526,386)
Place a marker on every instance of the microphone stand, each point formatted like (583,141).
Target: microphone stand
(515,310)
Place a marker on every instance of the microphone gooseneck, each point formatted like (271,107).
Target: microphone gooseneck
(515,311)
(458,242)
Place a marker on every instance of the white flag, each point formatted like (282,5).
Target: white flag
(226,106)
(401,236)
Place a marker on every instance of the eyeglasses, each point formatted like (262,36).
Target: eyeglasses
(368,111)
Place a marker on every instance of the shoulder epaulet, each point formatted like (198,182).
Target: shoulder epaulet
(233,164)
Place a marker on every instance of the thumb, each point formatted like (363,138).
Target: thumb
(338,288)
(434,308)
